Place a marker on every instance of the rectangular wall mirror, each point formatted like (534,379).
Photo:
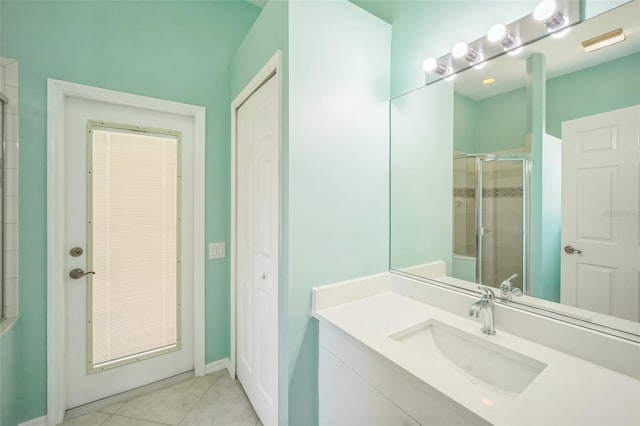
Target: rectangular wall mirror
(527,171)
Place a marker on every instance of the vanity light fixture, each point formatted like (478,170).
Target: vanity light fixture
(548,12)
(432,65)
(604,40)
(463,50)
(498,34)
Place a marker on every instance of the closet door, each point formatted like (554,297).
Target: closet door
(257,249)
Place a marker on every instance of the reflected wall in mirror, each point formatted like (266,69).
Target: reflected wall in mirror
(529,166)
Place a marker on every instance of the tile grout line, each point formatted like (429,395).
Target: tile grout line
(219,376)
(140,420)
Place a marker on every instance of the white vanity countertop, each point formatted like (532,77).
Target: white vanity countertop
(569,391)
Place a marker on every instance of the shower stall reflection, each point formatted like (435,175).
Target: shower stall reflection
(490,218)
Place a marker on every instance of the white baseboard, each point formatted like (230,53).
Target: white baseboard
(38,421)
(218,365)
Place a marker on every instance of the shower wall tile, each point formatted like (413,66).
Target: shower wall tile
(11,152)
(11,92)
(9,87)
(11,73)
(11,211)
(12,128)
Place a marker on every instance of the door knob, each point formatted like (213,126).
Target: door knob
(571,250)
(77,273)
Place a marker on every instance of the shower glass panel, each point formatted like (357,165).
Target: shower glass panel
(464,207)
(3,133)
(490,216)
(502,221)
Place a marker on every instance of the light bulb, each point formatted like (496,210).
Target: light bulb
(432,65)
(463,50)
(429,65)
(496,33)
(499,34)
(545,10)
(460,49)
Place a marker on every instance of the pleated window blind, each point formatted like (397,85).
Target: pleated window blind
(134,245)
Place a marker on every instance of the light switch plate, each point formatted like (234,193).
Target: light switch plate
(217,250)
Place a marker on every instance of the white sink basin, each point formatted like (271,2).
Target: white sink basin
(485,363)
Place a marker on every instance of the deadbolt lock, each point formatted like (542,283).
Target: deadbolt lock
(76,252)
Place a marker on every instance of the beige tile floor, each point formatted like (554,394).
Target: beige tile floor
(211,400)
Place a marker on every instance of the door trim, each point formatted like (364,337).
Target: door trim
(57,90)
(271,68)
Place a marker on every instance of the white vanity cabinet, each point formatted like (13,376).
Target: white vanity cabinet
(346,399)
(358,387)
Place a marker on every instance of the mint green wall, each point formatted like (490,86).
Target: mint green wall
(605,87)
(463,268)
(536,102)
(547,285)
(172,50)
(269,34)
(338,169)
(464,124)
(422,176)
(431,28)
(501,122)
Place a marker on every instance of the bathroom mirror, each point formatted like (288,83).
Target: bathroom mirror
(486,182)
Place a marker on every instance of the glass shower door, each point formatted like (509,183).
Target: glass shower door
(502,220)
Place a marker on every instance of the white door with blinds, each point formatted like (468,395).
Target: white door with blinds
(129,250)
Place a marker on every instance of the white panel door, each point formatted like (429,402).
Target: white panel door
(600,219)
(83,387)
(257,249)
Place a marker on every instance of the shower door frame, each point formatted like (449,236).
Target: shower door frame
(525,158)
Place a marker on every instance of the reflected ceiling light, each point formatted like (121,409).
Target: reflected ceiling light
(515,51)
(463,50)
(604,40)
(432,65)
(561,33)
(489,80)
(548,12)
(499,34)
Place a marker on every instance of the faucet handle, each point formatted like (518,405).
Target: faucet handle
(487,293)
(507,290)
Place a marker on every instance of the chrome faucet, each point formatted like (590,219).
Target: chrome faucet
(486,304)
(507,290)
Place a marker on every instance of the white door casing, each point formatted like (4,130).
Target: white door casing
(70,103)
(255,234)
(600,213)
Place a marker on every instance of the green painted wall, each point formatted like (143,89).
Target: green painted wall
(339,76)
(172,50)
(605,87)
(501,122)
(422,176)
(464,124)
(269,34)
